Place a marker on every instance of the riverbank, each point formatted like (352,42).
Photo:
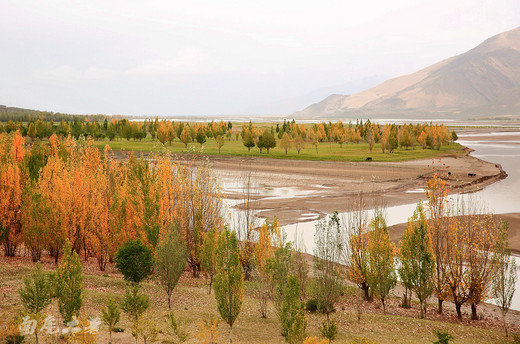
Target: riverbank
(305,190)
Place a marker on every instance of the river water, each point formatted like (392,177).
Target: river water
(499,198)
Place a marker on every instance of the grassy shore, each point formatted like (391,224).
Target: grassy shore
(192,304)
(326,152)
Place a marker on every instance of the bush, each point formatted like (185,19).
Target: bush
(134,260)
(312,305)
(14,339)
(443,337)
(329,330)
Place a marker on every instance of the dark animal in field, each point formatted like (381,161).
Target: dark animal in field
(472,174)
(368,158)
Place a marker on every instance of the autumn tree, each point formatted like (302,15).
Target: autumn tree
(229,281)
(504,284)
(219,141)
(185,136)
(298,143)
(12,183)
(110,316)
(170,261)
(381,266)
(357,254)
(285,142)
(417,262)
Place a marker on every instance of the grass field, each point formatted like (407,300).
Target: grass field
(326,151)
(192,304)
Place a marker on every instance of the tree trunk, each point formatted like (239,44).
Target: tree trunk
(365,289)
(384,306)
(421,306)
(505,325)
(458,308)
(474,315)
(439,309)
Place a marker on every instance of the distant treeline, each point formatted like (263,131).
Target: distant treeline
(24,115)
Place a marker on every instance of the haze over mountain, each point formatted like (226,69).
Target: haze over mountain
(485,81)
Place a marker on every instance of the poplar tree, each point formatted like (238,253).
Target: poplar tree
(209,255)
(381,267)
(229,280)
(170,262)
(69,284)
(416,258)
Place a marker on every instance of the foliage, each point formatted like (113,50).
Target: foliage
(291,314)
(327,255)
(208,331)
(36,293)
(315,340)
(329,330)
(134,305)
(134,260)
(85,335)
(110,315)
(311,305)
(381,267)
(69,288)
(443,337)
(279,268)
(177,329)
(417,261)
(229,281)
(170,262)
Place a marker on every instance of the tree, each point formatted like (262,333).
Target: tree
(279,268)
(170,262)
(285,142)
(417,261)
(12,182)
(229,281)
(328,251)
(504,283)
(36,292)
(135,304)
(69,284)
(134,260)
(209,255)
(357,261)
(292,316)
(219,142)
(248,141)
(186,136)
(268,141)
(298,142)
(201,136)
(381,267)
(110,316)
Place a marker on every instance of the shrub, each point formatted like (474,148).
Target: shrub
(36,293)
(134,260)
(443,337)
(329,330)
(69,284)
(312,305)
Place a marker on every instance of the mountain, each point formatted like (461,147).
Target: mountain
(484,81)
(289,105)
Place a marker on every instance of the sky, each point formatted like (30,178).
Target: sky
(173,58)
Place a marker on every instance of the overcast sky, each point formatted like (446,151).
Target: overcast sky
(222,57)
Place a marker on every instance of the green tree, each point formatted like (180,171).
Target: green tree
(381,267)
(248,141)
(209,255)
(111,316)
(134,260)
(279,268)
(292,316)
(36,292)
(267,139)
(229,279)
(170,262)
(134,305)
(416,257)
(328,251)
(69,284)
(201,136)
(329,330)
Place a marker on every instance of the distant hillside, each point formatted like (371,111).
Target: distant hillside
(485,81)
